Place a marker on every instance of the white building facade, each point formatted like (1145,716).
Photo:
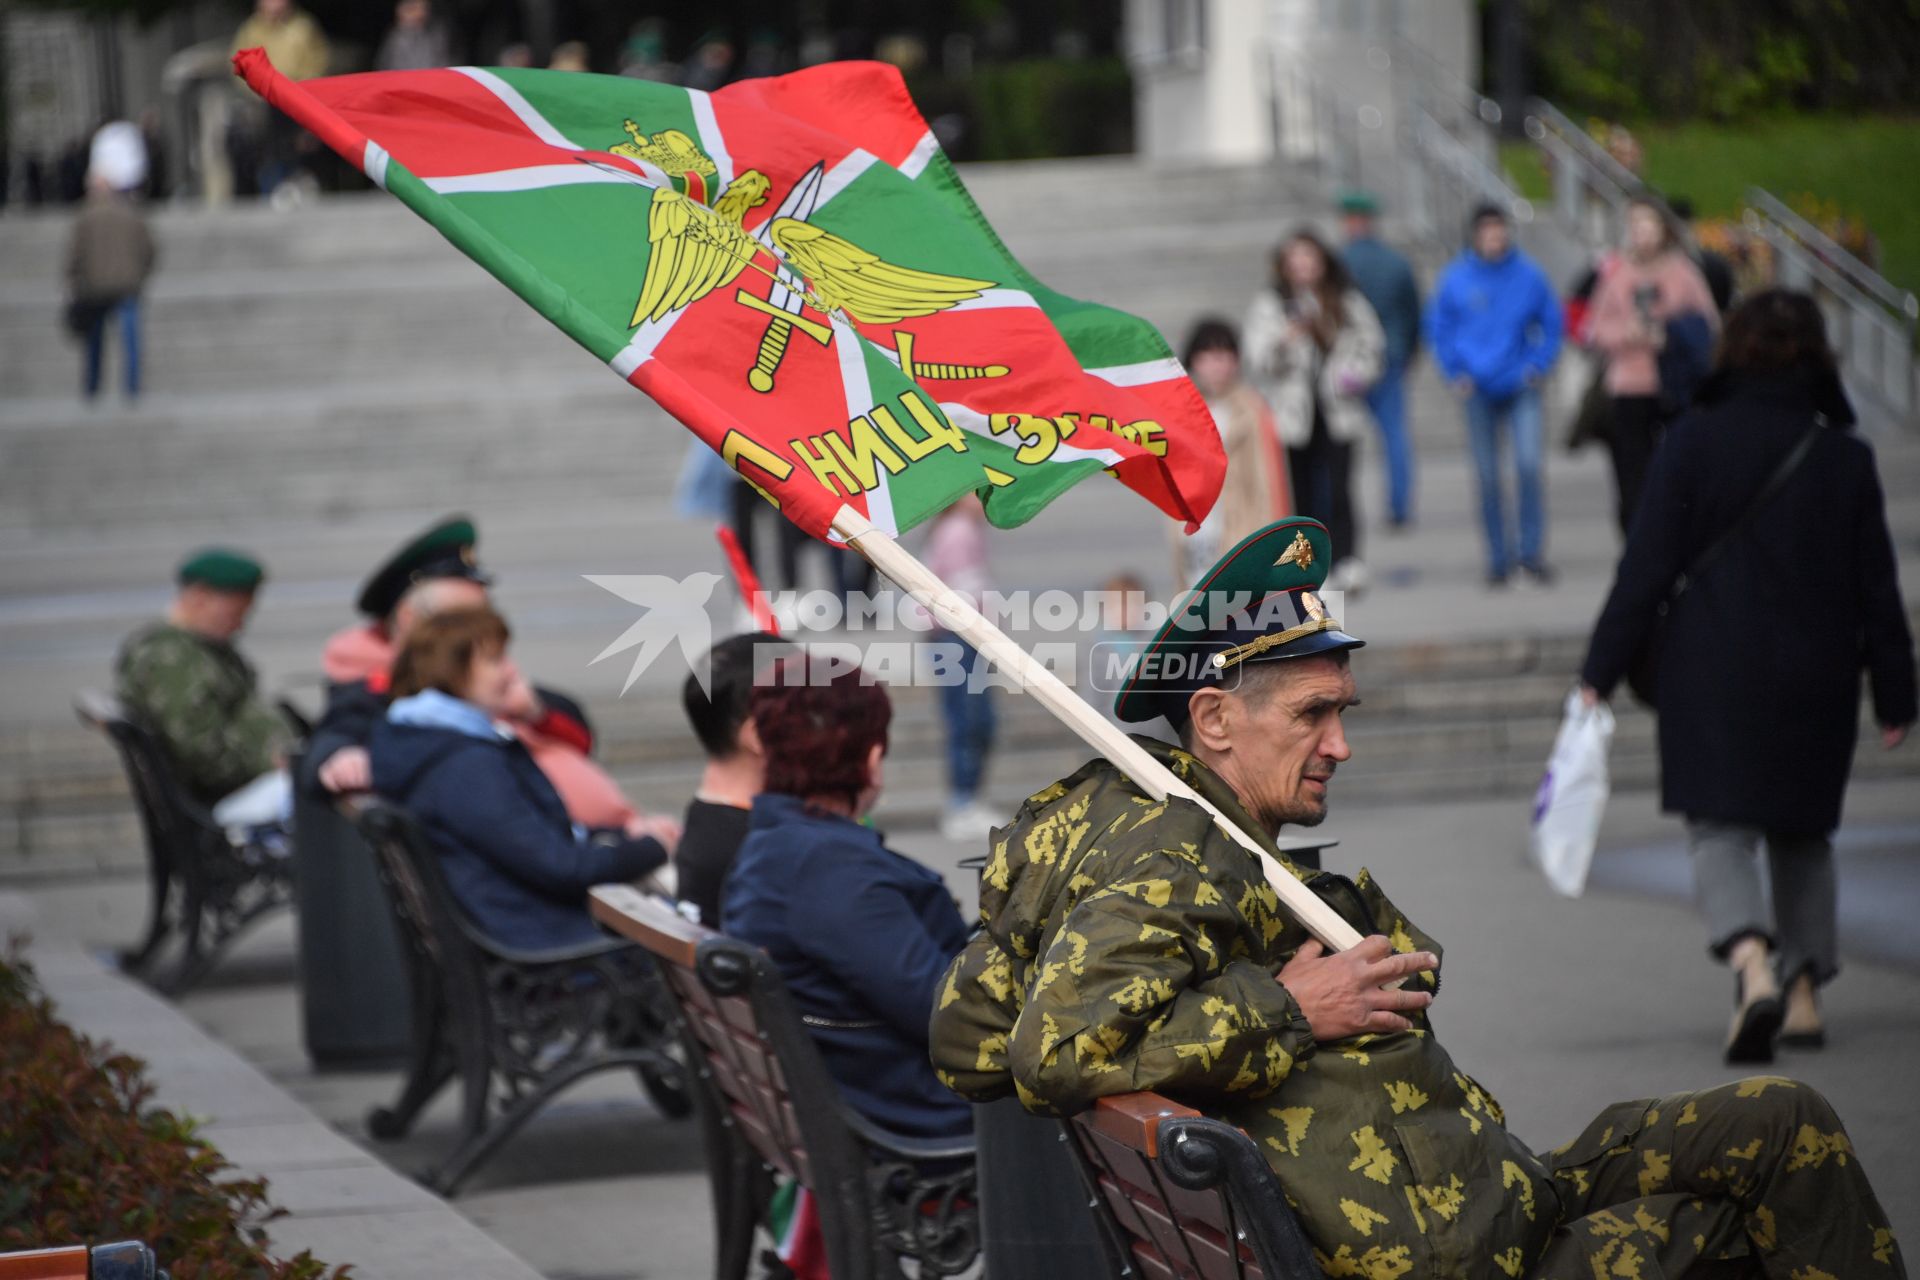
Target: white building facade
(1228,81)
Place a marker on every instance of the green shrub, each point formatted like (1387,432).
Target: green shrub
(88,1159)
(1724,59)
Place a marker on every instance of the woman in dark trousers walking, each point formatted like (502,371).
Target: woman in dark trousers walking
(1763,531)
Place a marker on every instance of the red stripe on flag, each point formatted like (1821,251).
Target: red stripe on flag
(441,123)
(253,66)
(865,104)
(436,123)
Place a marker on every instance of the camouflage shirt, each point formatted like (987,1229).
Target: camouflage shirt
(1127,944)
(201,698)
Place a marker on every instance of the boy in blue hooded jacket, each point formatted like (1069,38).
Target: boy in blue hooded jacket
(1494,326)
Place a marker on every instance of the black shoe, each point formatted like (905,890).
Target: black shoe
(1540,571)
(1496,582)
(1755,1023)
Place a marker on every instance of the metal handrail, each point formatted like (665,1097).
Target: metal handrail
(1433,139)
(1331,125)
(1835,257)
(1435,77)
(1544,120)
(1446,130)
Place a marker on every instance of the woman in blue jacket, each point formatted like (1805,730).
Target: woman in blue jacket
(861,934)
(512,857)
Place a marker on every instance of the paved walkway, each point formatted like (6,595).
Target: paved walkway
(340,1202)
(1558,1006)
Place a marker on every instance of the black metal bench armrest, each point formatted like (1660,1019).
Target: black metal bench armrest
(125,1260)
(906,1148)
(1201,1154)
(555,955)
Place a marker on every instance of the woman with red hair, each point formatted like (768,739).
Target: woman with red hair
(861,934)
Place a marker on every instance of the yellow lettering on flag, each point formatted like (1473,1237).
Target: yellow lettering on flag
(737,447)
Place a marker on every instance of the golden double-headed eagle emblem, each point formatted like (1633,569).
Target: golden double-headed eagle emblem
(1299,552)
(695,248)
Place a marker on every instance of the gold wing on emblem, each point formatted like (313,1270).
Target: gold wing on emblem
(848,278)
(691,252)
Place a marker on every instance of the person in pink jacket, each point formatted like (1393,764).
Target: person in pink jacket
(1647,288)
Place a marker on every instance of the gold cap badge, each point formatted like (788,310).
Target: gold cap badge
(1299,552)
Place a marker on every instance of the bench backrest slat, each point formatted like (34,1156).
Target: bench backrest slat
(1212,1226)
(71,1262)
(739,1051)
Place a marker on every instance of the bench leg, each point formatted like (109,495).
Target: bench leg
(739,1199)
(665,1082)
(136,959)
(428,1072)
(196,958)
(480,1139)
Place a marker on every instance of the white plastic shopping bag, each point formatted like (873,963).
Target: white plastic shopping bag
(1572,797)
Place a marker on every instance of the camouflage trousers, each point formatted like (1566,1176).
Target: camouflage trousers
(1754,1178)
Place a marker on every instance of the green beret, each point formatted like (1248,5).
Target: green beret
(444,551)
(221,568)
(1357,201)
(1258,603)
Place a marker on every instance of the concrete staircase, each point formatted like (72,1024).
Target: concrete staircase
(321,383)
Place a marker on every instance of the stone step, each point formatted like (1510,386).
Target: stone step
(314,450)
(266,342)
(246,297)
(1019,199)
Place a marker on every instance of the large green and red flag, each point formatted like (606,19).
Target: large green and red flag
(791,267)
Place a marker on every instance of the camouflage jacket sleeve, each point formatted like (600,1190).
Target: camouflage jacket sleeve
(1145,986)
(216,728)
(973,1015)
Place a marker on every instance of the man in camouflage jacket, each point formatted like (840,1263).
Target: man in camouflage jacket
(184,680)
(1127,944)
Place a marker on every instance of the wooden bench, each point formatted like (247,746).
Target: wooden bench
(767,1106)
(1184,1197)
(128,1260)
(516,1027)
(222,887)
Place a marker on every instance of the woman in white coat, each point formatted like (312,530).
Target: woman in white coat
(1314,348)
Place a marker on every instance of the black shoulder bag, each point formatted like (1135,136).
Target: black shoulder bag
(1643,673)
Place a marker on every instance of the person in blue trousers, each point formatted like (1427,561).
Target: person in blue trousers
(109,257)
(1494,326)
(1385,278)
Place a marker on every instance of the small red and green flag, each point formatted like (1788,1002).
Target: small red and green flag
(792,268)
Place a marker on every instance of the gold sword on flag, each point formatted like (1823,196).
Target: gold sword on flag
(926,371)
(784,300)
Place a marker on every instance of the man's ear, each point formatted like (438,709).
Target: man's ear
(748,739)
(1211,712)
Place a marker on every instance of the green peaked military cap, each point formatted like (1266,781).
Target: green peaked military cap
(1258,603)
(1356,200)
(221,568)
(444,551)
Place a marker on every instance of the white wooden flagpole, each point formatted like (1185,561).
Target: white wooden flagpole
(960,617)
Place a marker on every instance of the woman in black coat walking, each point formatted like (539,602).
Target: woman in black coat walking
(1763,533)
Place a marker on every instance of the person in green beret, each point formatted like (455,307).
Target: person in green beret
(1126,944)
(186,682)
(1385,279)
